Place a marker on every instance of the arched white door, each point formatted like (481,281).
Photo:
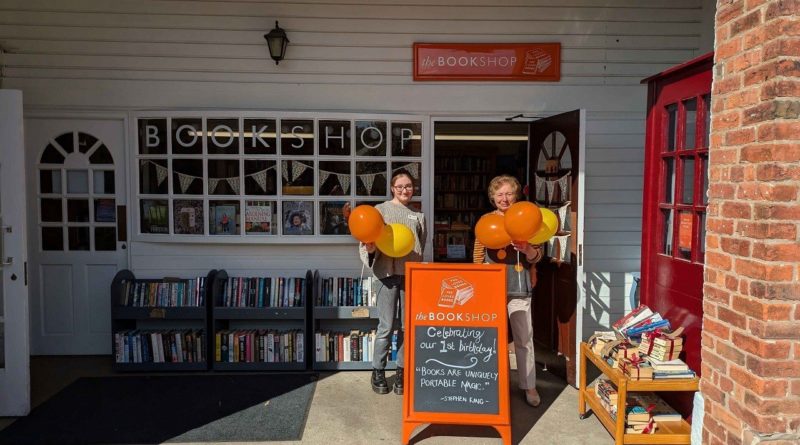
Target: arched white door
(76,183)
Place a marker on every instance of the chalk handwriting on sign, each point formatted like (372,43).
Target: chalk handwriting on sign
(456,369)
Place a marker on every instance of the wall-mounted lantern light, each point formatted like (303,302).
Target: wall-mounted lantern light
(277,42)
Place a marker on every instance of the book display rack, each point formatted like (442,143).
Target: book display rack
(259,323)
(344,320)
(159,324)
(667,432)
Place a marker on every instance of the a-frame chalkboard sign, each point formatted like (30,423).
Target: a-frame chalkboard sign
(456,354)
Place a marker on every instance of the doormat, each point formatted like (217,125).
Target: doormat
(172,409)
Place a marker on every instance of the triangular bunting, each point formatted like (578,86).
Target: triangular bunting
(212,185)
(234,183)
(541,196)
(285,170)
(261,179)
(368,180)
(413,169)
(551,187)
(323,176)
(161,173)
(562,217)
(344,181)
(297,169)
(185,181)
(563,185)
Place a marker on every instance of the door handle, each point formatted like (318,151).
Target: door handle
(3,260)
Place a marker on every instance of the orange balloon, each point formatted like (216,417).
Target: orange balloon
(491,232)
(366,223)
(522,220)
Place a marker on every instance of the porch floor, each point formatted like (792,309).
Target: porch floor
(345,410)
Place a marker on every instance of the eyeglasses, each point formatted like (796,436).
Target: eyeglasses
(400,188)
(506,195)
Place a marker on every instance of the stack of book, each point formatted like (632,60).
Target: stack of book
(636,369)
(670,369)
(661,346)
(607,394)
(600,339)
(640,320)
(659,410)
(638,420)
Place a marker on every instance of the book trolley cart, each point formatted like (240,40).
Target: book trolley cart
(677,432)
(150,318)
(281,318)
(341,319)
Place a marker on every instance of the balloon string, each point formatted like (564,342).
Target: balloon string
(519,272)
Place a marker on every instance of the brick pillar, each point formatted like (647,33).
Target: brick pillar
(751,324)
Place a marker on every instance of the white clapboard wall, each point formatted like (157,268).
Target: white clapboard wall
(355,56)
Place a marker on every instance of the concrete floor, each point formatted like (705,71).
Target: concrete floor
(346,411)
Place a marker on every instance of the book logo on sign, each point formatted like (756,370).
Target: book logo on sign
(455,291)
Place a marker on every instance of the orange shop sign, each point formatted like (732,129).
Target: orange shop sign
(487,61)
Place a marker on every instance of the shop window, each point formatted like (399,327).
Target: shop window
(250,176)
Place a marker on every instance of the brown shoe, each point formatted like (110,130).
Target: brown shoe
(532,397)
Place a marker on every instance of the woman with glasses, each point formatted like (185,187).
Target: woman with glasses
(390,273)
(519,258)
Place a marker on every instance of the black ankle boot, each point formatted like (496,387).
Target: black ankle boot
(398,381)
(379,384)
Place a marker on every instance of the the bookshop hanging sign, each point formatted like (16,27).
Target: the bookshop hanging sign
(487,61)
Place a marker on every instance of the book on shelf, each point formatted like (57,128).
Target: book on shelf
(659,375)
(159,346)
(655,405)
(668,365)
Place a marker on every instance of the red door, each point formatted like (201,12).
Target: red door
(675,199)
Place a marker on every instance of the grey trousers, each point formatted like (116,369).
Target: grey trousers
(391,291)
(519,313)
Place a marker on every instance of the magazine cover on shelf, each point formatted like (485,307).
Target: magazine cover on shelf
(258,217)
(223,218)
(154,216)
(298,218)
(188,217)
(333,217)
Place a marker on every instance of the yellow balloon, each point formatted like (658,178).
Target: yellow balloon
(396,240)
(548,228)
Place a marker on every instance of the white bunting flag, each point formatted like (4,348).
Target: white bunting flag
(234,183)
(185,181)
(285,170)
(261,179)
(212,184)
(414,170)
(297,169)
(562,216)
(161,173)
(551,187)
(541,196)
(368,180)
(344,181)
(563,185)
(323,176)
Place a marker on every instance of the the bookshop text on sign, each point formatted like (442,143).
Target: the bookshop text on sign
(456,352)
(487,61)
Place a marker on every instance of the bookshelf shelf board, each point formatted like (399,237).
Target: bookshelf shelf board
(259,313)
(260,366)
(159,367)
(157,313)
(342,312)
(348,366)
(615,375)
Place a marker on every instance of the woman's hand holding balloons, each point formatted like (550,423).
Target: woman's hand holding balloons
(366,223)
(370,248)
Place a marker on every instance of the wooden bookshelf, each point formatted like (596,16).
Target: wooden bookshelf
(678,432)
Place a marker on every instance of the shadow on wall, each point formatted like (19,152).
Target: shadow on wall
(607,299)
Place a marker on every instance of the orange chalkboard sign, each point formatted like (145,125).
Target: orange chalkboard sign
(456,352)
